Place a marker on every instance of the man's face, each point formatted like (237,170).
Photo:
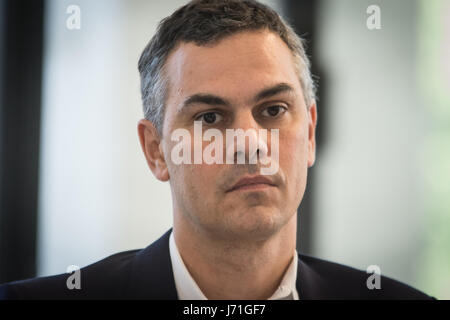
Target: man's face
(231,74)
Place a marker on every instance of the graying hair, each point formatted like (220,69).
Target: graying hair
(206,22)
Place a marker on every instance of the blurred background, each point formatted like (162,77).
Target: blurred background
(75,186)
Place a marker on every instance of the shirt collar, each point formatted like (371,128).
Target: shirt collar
(188,289)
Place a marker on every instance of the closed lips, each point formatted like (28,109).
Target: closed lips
(251,181)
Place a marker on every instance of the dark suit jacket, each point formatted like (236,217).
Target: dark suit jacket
(147,274)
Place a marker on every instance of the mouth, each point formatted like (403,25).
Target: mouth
(252,184)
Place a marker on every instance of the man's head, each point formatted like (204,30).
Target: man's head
(245,69)
(205,23)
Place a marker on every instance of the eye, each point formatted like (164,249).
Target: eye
(209,117)
(274,111)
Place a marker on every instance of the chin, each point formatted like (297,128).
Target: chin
(257,223)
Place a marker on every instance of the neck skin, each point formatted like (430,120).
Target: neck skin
(250,271)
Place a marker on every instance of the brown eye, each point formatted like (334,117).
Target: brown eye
(273,111)
(209,117)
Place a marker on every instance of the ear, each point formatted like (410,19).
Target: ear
(312,116)
(153,151)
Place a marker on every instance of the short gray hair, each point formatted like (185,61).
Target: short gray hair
(207,22)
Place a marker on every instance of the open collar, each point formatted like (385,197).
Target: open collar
(151,275)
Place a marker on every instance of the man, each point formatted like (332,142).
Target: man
(221,66)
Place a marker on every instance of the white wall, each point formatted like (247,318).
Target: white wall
(370,198)
(97,195)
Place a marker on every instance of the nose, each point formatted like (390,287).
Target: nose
(245,141)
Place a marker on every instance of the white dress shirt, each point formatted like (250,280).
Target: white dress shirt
(188,289)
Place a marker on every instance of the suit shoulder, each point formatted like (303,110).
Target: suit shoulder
(103,279)
(345,282)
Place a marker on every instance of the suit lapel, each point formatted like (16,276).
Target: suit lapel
(309,284)
(151,272)
(152,275)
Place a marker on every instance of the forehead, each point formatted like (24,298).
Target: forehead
(235,67)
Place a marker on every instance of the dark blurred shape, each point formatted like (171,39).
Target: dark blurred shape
(302,15)
(21,38)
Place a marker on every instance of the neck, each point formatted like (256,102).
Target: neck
(250,270)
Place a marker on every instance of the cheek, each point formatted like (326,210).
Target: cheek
(190,180)
(196,183)
(204,176)
(294,146)
(294,157)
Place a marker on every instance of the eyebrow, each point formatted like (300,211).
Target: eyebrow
(210,99)
(272,91)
